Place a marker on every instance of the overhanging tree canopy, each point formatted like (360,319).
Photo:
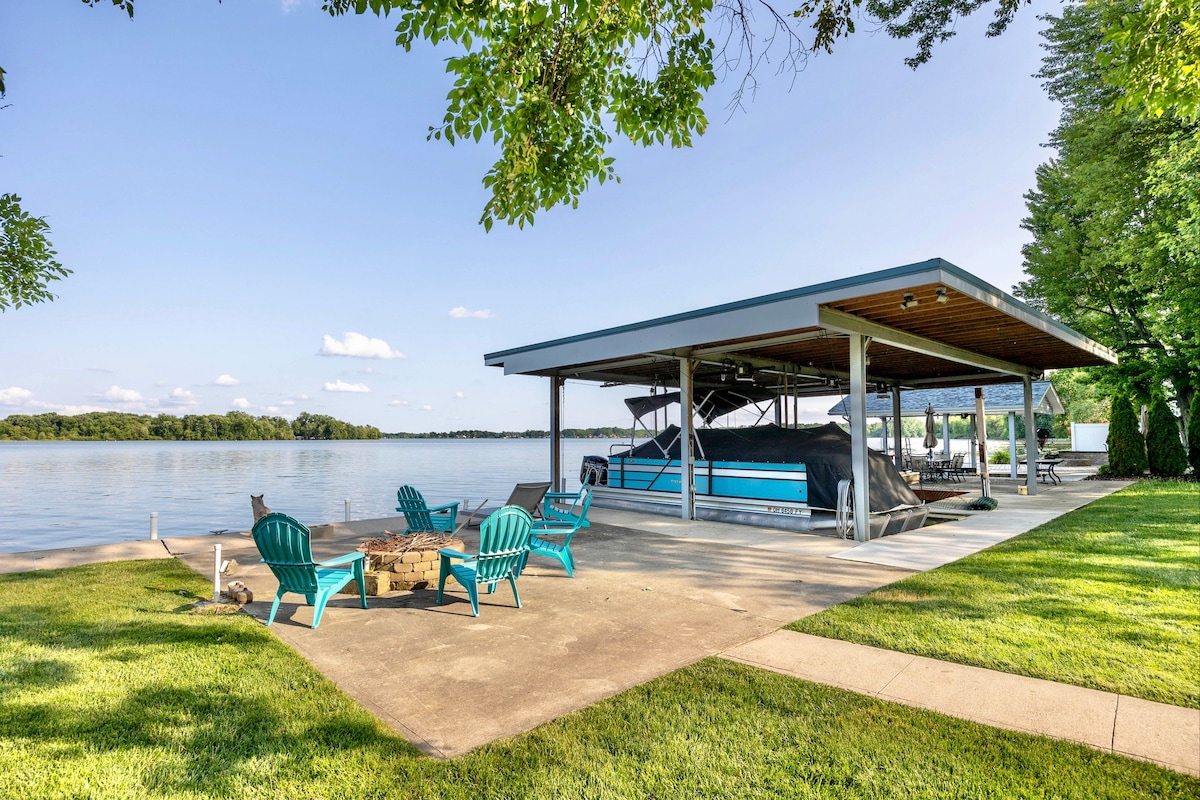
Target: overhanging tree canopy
(553,82)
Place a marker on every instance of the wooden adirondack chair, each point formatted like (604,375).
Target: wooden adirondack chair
(568,526)
(503,542)
(285,548)
(420,517)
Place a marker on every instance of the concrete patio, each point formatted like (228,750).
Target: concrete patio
(653,594)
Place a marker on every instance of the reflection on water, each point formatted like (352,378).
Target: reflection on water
(63,494)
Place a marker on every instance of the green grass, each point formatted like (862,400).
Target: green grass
(110,688)
(1104,597)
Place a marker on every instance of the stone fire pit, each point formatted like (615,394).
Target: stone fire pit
(395,561)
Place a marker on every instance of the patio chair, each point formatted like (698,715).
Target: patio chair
(503,542)
(560,527)
(956,469)
(285,547)
(420,517)
(920,465)
(524,495)
(574,513)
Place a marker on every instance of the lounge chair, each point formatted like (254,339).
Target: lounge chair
(420,517)
(524,495)
(285,547)
(503,542)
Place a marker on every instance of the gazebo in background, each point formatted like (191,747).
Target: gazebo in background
(1007,399)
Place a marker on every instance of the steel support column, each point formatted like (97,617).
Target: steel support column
(1012,444)
(687,479)
(1031,448)
(556,476)
(858,436)
(898,434)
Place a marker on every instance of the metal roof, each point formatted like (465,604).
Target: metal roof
(956,330)
(1000,398)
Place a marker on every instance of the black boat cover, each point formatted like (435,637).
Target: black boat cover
(825,452)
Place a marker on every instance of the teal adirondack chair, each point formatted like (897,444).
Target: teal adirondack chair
(503,542)
(420,517)
(575,513)
(568,525)
(285,548)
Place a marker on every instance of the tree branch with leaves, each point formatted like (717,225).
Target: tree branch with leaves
(27,263)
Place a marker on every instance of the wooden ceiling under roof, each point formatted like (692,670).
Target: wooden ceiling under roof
(975,335)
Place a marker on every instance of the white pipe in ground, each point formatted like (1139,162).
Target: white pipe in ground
(217,574)
(153,524)
(347,509)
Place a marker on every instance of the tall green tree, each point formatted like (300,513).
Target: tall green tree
(1105,216)
(1126,445)
(1165,455)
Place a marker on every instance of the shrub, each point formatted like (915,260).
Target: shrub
(998,457)
(1194,433)
(1126,446)
(1164,449)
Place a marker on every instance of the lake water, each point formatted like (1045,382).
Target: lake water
(65,494)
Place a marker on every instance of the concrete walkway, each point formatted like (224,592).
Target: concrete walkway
(30,560)
(1167,735)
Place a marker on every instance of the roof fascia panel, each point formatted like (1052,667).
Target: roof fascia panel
(757,317)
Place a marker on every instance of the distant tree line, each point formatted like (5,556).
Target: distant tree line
(568,433)
(119,426)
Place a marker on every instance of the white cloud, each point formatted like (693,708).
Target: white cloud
(341,386)
(289,6)
(397,402)
(427,408)
(226,380)
(302,397)
(288,403)
(181,397)
(272,409)
(240,402)
(459,395)
(460,312)
(119,395)
(15,396)
(355,345)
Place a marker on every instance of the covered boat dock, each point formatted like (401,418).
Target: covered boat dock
(920,326)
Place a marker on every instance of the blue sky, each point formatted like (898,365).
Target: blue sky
(247,198)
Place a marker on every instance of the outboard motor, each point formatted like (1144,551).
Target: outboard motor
(594,470)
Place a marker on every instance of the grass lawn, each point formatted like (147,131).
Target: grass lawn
(110,688)
(1106,597)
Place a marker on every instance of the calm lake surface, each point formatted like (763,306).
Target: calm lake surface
(65,494)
